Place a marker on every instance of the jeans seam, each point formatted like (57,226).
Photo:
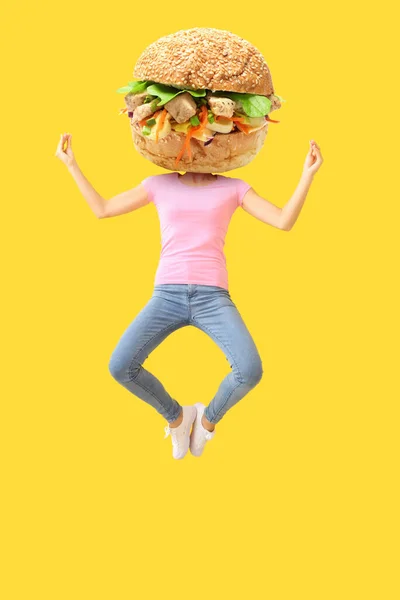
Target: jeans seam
(216,417)
(222,344)
(158,400)
(170,326)
(130,378)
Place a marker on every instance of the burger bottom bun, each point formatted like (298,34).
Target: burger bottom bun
(227,151)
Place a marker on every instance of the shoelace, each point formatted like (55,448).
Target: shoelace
(169,431)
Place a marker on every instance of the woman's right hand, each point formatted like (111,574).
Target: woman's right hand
(65,155)
(313,159)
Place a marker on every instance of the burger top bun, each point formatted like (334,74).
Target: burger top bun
(204,57)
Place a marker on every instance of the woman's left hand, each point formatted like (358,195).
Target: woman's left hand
(313,159)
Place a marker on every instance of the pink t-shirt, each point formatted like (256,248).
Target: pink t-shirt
(193,224)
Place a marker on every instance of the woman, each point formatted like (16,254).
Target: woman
(191,284)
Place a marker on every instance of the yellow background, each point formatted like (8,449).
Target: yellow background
(296,497)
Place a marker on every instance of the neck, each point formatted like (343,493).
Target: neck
(197,178)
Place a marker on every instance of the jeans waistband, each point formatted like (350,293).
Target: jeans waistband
(188,286)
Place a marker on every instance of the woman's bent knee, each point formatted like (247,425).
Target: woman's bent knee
(252,373)
(116,369)
(121,370)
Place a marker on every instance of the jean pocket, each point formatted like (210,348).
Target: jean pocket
(216,289)
(223,293)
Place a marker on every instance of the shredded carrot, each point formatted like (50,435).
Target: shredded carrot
(186,145)
(160,122)
(191,131)
(240,119)
(203,115)
(153,116)
(242,127)
(270,120)
(123,110)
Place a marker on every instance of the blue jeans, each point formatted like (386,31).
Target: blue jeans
(175,305)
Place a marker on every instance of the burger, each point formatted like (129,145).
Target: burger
(200,101)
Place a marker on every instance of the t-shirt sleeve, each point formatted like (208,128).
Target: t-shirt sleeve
(148,184)
(241,188)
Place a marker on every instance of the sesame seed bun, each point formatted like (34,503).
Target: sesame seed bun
(212,59)
(205,57)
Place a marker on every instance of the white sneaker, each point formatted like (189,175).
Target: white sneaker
(181,435)
(199,435)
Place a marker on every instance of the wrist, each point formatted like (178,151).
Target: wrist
(307,177)
(72,165)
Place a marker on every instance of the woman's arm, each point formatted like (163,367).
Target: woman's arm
(126,202)
(118,205)
(95,201)
(284,218)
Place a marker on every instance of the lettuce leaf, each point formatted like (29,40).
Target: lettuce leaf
(134,87)
(253,104)
(167,92)
(164,92)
